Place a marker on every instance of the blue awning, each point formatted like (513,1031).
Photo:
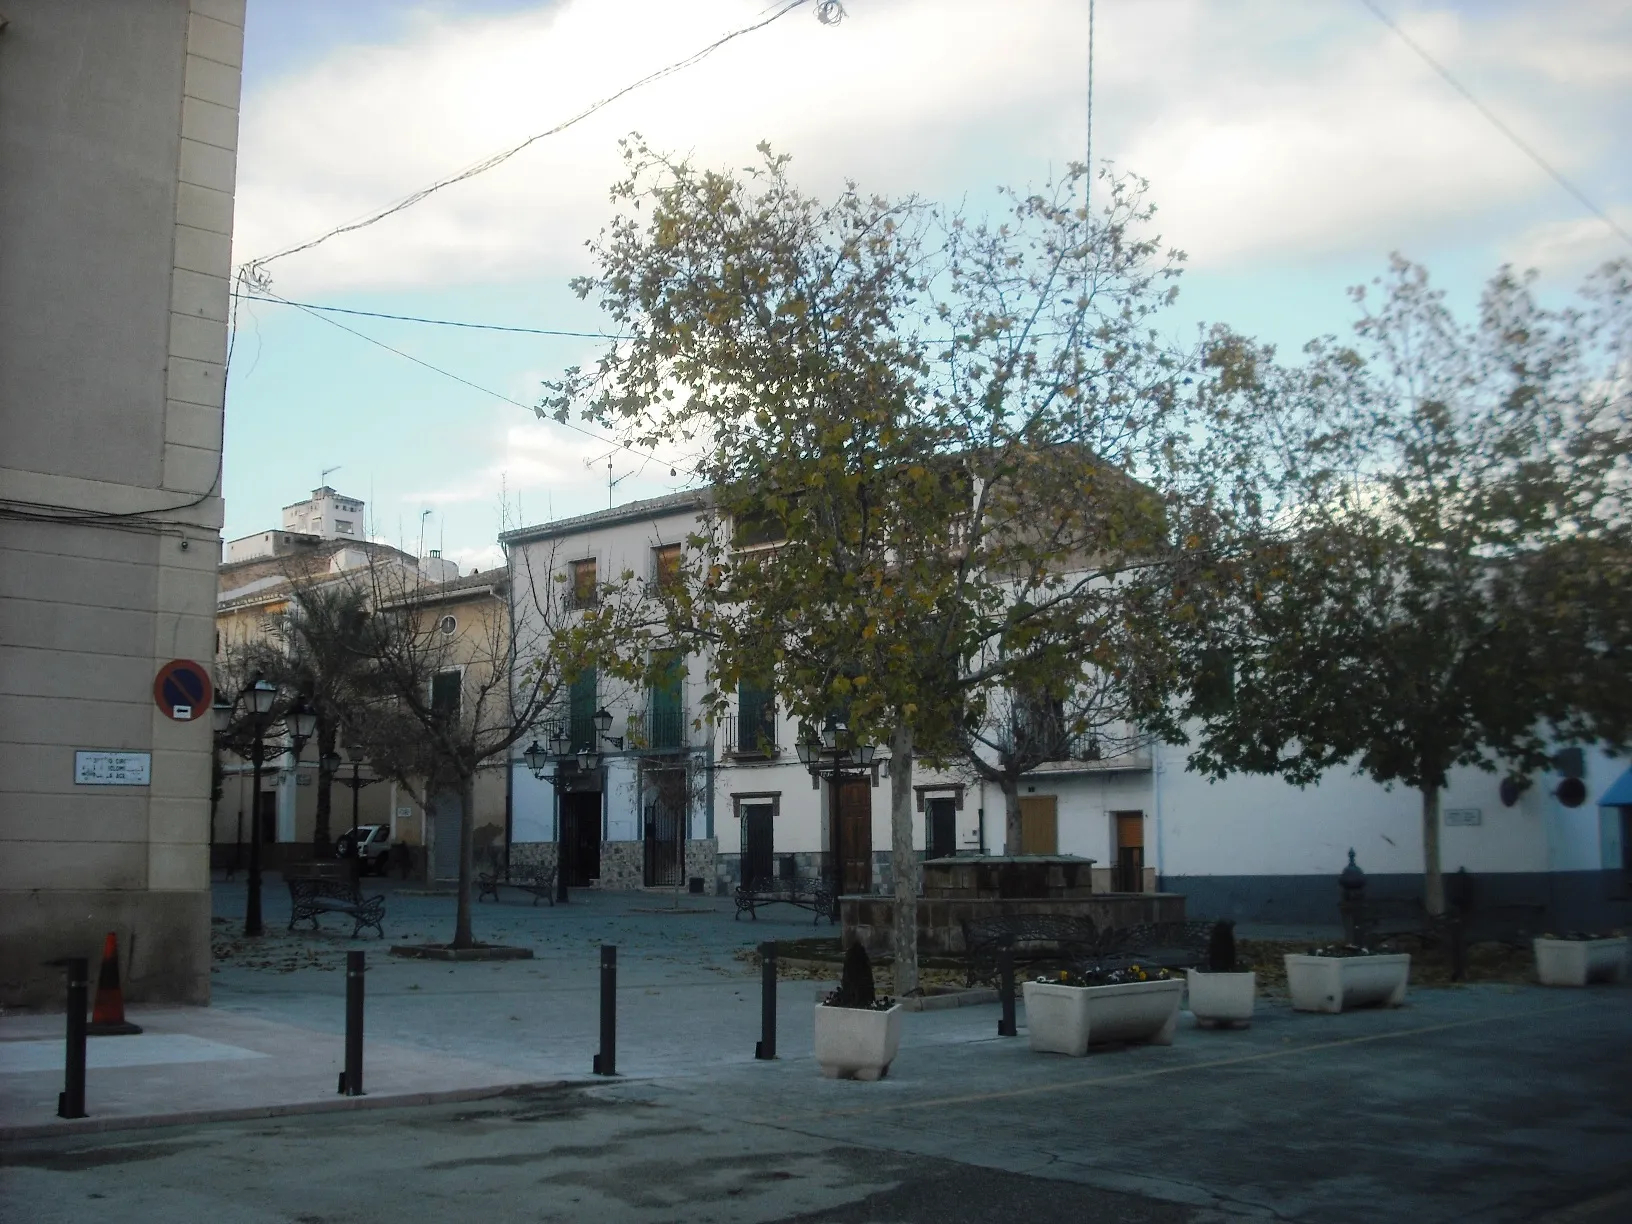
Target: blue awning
(1619,793)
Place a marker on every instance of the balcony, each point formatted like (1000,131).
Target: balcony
(753,735)
(665,728)
(1095,752)
(579,601)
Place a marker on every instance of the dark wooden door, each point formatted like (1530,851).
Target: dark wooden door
(1130,851)
(266,817)
(855,828)
(942,840)
(581,837)
(757,847)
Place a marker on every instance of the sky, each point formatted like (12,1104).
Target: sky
(1290,146)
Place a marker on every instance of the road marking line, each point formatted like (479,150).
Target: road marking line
(1152,1072)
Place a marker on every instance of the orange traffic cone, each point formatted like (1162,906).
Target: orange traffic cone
(108,1013)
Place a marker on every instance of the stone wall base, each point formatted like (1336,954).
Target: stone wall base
(623,865)
(701,854)
(164,943)
(940,930)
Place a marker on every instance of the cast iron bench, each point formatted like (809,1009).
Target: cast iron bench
(310,897)
(532,878)
(1045,942)
(805,892)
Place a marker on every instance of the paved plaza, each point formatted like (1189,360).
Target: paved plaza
(1476,1103)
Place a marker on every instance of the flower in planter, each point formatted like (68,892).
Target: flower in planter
(1098,975)
(1351,950)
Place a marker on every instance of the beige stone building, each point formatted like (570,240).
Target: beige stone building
(118,131)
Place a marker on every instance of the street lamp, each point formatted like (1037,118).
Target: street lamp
(834,756)
(246,734)
(354,755)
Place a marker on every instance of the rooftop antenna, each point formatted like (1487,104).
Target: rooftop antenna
(610,482)
(423,515)
(323,480)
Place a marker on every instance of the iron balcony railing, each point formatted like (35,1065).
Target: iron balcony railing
(1056,750)
(665,728)
(752,733)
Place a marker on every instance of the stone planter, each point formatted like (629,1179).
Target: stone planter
(1067,1019)
(1340,983)
(1221,999)
(856,1042)
(1575,962)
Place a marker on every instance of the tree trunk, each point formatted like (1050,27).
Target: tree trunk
(903,863)
(1433,891)
(1011,815)
(322,837)
(462,937)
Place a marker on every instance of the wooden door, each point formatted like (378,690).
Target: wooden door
(1039,824)
(1130,851)
(942,833)
(757,847)
(581,837)
(855,840)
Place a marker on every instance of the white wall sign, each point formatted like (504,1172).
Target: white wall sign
(1464,816)
(95,768)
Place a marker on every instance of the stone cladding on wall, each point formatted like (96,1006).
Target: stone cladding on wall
(623,865)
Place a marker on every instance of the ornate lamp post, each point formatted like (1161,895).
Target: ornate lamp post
(246,733)
(833,757)
(354,757)
(569,765)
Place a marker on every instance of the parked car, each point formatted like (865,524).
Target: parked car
(375,843)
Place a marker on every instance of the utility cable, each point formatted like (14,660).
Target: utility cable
(1501,127)
(378,314)
(255,269)
(474,386)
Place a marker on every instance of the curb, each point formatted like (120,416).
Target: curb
(99,1126)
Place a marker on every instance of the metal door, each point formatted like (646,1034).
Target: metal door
(581,837)
(665,843)
(942,834)
(757,849)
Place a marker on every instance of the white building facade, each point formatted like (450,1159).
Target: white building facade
(1250,848)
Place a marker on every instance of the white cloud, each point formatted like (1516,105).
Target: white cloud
(1266,128)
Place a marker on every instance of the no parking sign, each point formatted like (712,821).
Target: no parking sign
(183,690)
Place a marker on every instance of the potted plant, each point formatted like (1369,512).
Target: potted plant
(1221,995)
(1066,1014)
(1578,958)
(857,1034)
(1343,977)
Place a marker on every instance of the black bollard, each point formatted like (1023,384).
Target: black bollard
(351,1079)
(765,1047)
(606,1062)
(71,1101)
(1005,986)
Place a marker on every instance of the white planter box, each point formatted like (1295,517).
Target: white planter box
(1221,998)
(1067,1019)
(1339,983)
(1575,962)
(856,1042)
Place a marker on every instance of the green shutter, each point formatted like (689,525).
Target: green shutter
(667,712)
(581,715)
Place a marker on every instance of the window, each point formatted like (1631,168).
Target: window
(582,594)
(344,526)
(753,529)
(666,565)
(756,719)
(666,714)
(445,694)
(447,625)
(581,710)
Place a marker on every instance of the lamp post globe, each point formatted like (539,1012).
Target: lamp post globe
(262,697)
(536,759)
(221,712)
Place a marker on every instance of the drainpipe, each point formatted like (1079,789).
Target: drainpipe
(1156,814)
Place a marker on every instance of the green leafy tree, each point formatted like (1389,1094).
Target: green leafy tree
(1441,578)
(920,435)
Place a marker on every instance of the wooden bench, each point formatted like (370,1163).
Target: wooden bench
(311,897)
(1044,943)
(804,892)
(533,878)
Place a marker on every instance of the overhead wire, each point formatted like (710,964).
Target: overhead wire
(255,269)
(1526,149)
(675,465)
(401,318)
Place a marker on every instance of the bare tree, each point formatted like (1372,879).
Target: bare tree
(452,699)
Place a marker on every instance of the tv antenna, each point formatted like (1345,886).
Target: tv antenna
(323,480)
(611,481)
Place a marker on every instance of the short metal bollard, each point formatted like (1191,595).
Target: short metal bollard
(1005,987)
(351,1079)
(765,1047)
(606,1062)
(71,1101)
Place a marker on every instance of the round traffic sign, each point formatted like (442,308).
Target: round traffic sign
(183,690)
